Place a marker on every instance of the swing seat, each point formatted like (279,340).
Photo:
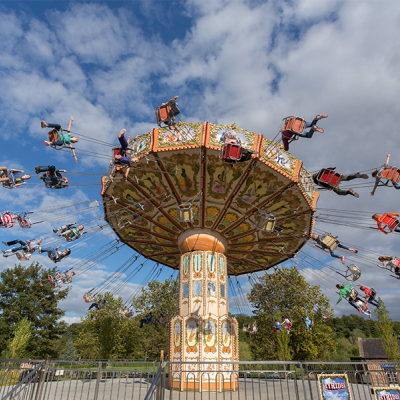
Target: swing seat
(24,221)
(265,222)
(117,151)
(246,328)
(396,262)
(123,312)
(353,273)
(328,177)
(389,223)
(392,174)
(164,116)
(185,213)
(88,298)
(372,294)
(54,137)
(21,256)
(72,239)
(230,152)
(11,183)
(330,242)
(353,295)
(294,125)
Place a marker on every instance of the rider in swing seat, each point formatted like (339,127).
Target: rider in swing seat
(146,320)
(63,138)
(52,177)
(288,134)
(389,221)
(324,179)
(167,112)
(309,323)
(121,154)
(369,295)
(26,248)
(99,306)
(361,307)
(277,326)
(13,177)
(54,254)
(69,232)
(390,263)
(7,219)
(320,242)
(392,174)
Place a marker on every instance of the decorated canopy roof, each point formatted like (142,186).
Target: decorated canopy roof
(182,165)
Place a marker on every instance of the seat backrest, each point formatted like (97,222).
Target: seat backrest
(53,136)
(372,293)
(294,124)
(330,242)
(353,294)
(396,262)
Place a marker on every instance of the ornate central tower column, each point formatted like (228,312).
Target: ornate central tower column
(202,330)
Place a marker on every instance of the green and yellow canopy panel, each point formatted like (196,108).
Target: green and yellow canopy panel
(183,166)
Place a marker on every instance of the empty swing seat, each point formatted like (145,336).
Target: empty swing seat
(265,222)
(353,272)
(328,177)
(330,242)
(294,125)
(392,174)
(388,223)
(185,213)
(88,298)
(24,221)
(231,152)
(164,115)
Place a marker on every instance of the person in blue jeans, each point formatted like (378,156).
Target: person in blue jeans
(52,177)
(24,246)
(123,158)
(54,254)
(13,177)
(146,320)
(319,241)
(287,135)
(309,323)
(63,137)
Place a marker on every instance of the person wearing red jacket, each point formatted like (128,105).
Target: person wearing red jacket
(388,221)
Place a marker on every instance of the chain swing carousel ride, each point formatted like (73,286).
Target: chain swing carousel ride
(211,201)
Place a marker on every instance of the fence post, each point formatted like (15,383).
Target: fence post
(302,379)
(96,390)
(159,390)
(41,379)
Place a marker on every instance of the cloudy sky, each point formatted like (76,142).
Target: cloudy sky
(109,64)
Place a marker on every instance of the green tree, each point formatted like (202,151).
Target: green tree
(386,331)
(17,346)
(104,333)
(287,293)
(21,296)
(69,351)
(158,297)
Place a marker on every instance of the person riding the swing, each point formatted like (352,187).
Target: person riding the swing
(63,138)
(54,254)
(309,323)
(329,179)
(59,279)
(160,320)
(99,306)
(390,263)
(290,128)
(361,307)
(369,295)
(344,291)
(25,249)
(287,324)
(146,320)
(386,172)
(7,219)
(253,329)
(167,112)
(388,221)
(69,232)
(122,157)
(277,326)
(52,177)
(13,177)
(324,246)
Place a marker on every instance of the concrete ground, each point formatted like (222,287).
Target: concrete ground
(136,389)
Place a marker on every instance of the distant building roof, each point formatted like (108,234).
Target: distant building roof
(371,349)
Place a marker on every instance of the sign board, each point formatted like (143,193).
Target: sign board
(334,387)
(387,393)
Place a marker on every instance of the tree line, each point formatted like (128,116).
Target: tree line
(30,325)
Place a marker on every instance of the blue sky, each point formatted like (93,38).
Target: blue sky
(109,64)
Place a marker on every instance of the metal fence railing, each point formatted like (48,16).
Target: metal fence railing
(149,380)
(66,380)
